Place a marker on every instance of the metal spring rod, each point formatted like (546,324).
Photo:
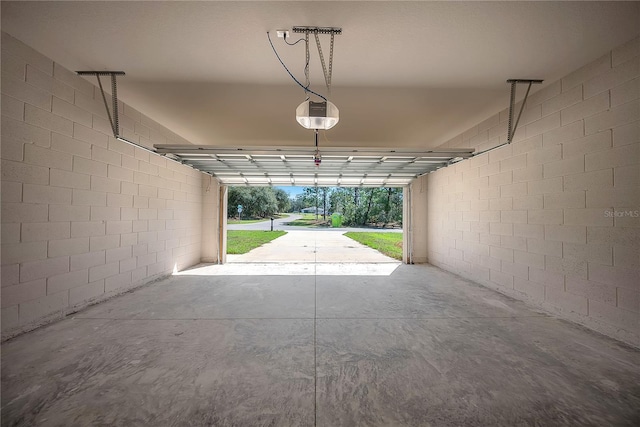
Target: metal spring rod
(307,58)
(331,61)
(106,107)
(114,92)
(510,131)
(524,102)
(324,67)
(115,125)
(512,101)
(512,128)
(327,74)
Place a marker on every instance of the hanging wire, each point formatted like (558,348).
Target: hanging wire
(324,134)
(294,43)
(306,89)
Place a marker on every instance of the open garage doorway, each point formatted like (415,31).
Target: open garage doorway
(342,167)
(314,224)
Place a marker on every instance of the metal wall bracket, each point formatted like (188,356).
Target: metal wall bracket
(113,115)
(511,130)
(317,30)
(512,127)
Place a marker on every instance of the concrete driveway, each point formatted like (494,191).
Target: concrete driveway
(308,245)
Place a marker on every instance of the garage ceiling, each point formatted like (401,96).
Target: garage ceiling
(406,74)
(283,166)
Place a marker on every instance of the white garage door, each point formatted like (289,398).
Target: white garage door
(347,167)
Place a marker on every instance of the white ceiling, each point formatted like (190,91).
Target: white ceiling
(406,74)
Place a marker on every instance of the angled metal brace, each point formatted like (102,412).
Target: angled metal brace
(512,127)
(113,114)
(511,130)
(113,120)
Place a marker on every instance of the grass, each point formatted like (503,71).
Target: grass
(309,220)
(242,241)
(389,244)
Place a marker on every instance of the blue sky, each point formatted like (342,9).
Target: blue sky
(293,191)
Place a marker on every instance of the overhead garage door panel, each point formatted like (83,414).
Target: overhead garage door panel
(282,166)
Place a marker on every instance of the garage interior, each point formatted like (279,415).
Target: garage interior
(517,304)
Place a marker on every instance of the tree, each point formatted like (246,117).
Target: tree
(343,200)
(284,202)
(361,206)
(298,203)
(318,197)
(264,202)
(358,206)
(255,201)
(237,196)
(324,192)
(311,197)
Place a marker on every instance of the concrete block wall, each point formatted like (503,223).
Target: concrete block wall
(210,241)
(553,218)
(418,224)
(84,216)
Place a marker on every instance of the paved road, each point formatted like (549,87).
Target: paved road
(279,224)
(266,225)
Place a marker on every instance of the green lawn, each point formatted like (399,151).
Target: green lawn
(242,241)
(389,244)
(309,220)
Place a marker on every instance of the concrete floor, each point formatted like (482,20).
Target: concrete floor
(239,345)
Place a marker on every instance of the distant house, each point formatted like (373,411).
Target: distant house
(313,210)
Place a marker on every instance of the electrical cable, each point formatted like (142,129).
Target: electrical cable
(294,43)
(306,89)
